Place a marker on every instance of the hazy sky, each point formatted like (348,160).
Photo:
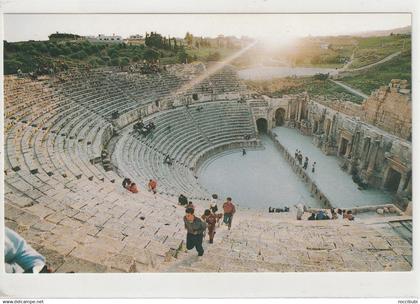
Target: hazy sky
(278,26)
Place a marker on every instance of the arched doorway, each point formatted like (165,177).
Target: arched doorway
(279,116)
(393,180)
(262,125)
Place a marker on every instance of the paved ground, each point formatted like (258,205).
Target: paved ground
(260,179)
(336,184)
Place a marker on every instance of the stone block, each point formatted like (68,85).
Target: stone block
(43,226)
(27,219)
(77,265)
(121,262)
(11,212)
(70,223)
(55,217)
(90,253)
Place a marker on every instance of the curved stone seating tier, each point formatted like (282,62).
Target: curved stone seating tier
(55,192)
(185,134)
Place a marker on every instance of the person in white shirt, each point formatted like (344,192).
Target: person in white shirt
(300,211)
(20,257)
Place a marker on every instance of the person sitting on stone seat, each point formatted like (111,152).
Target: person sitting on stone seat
(126,182)
(312,217)
(168,160)
(133,188)
(321,215)
(334,215)
(349,215)
(152,186)
(182,200)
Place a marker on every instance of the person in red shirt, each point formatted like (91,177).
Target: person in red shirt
(211,219)
(152,185)
(133,188)
(228,210)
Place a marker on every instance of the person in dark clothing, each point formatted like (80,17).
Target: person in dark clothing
(126,182)
(243,152)
(182,200)
(313,167)
(312,217)
(195,230)
(305,164)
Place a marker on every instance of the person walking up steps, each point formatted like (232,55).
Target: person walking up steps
(313,167)
(228,210)
(195,229)
(211,219)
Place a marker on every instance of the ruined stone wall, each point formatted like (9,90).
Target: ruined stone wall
(366,151)
(389,108)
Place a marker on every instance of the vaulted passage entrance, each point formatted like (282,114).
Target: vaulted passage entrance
(262,125)
(393,180)
(279,116)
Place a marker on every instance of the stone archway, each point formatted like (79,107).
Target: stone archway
(392,180)
(279,116)
(262,125)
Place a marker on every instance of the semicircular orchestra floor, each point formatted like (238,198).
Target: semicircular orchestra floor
(262,178)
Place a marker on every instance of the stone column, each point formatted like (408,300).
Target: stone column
(300,110)
(348,148)
(372,157)
(402,183)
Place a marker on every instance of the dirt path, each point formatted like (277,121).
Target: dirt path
(350,89)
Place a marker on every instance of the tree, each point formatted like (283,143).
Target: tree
(124,61)
(182,56)
(115,61)
(188,38)
(151,55)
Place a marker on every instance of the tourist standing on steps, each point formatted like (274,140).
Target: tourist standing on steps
(211,219)
(152,186)
(313,167)
(228,210)
(213,203)
(300,211)
(305,164)
(195,229)
(243,152)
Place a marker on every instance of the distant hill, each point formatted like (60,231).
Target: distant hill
(400,30)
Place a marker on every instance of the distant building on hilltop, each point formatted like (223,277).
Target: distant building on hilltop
(135,40)
(105,39)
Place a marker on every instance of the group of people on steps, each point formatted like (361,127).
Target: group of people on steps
(196,226)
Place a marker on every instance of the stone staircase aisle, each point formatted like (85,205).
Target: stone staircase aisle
(267,242)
